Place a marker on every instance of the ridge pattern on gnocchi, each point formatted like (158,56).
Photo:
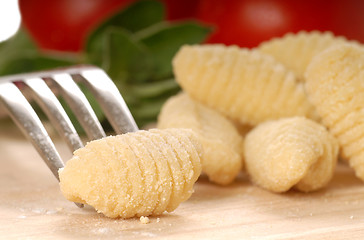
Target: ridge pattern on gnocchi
(244,85)
(134,174)
(297,50)
(290,152)
(222,144)
(335,86)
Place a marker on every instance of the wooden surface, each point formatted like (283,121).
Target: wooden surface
(32,207)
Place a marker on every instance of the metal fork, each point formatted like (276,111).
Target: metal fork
(42,86)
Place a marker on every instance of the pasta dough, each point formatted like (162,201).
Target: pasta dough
(246,86)
(290,152)
(134,174)
(297,50)
(335,83)
(223,146)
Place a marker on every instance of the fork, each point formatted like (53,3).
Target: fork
(44,87)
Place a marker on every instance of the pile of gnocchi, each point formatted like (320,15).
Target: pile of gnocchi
(281,112)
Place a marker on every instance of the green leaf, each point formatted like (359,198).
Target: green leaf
(19,42)
(32,61)
(164,39)
(20,55)
(147,111)
(155,89)
(14,47)
(125,60)
(137,16)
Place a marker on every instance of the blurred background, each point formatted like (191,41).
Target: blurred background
(9,18)
(64,24)
(135,41)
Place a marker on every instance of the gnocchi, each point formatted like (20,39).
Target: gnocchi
(222,144)
(297,50)
(134,174)
(335,86)
(244,85)
(290,152)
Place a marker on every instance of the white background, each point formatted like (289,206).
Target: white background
(9,18)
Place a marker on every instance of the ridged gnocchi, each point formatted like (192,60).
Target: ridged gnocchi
(335,84)
(290,152)
(246,86)
(134,174)
(297,50)
(222,144)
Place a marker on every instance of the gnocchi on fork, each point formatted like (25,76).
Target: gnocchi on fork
(41,87)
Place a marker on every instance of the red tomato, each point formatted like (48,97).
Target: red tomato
(180,9)
(249,22)
(64,24)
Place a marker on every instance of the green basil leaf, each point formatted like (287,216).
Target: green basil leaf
(18,45)
(19,42)
(155,89)
(20,55)
(126,60)
(147,110)
(32,61)
(137,16)
(164,39)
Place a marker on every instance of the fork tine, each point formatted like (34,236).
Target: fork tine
(22,113)
(46,99)
(109,99)
(79,105)
(27,120)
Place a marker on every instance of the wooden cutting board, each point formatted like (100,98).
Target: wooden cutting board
(32,207)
